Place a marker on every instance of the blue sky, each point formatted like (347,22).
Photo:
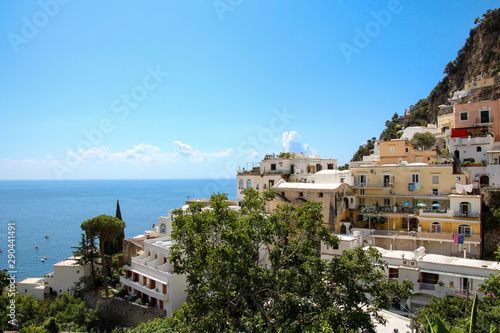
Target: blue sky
(191,89)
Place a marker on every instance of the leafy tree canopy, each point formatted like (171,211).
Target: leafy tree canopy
(295,291)
(423,141)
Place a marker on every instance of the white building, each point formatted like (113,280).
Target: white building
(436,275)
(66,277)
(32,286)
(152,276)
(409,132)
(291,166)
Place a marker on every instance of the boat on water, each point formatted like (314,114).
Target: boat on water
(47,236)
(1,250)
(42,260)
(36,247)
(45,258)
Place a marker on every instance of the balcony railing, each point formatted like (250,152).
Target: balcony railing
(484,121)
(427,286)
(374,184)
(423,235)
(278,172)
(463,292)
(470,214)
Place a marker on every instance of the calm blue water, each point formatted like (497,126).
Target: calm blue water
(58,208)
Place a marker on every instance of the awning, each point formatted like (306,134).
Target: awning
(455,274)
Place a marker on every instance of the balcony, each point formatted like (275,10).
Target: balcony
(374,184)
(423,235)
(474,215)
(255,171)
(278,172)
(485,120)
(464,292)
(154,292)
(427,286)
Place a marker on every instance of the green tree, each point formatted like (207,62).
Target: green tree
(232,290)
(369,214)
(115,244)
(51,325)
(86,253)
(103,227)
(423,141)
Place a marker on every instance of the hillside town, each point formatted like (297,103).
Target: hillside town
(419,205)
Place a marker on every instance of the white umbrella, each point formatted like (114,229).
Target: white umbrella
(421,205)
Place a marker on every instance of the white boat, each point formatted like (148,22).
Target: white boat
(42,260)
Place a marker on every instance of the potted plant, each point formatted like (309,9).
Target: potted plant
(452,284)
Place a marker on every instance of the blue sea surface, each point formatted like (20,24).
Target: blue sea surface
(58,208)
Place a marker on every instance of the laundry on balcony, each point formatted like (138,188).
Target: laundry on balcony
(456,238)
(460,239)
(460,188)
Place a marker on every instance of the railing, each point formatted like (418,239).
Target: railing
(423,234)
(248,172)
(463,292)
(374,184)
(427,286)
(479,120)
(277,172)
(470,214)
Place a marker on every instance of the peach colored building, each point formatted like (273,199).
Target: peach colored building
(480,114)
(395,151)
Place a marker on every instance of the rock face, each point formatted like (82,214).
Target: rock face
(479,58)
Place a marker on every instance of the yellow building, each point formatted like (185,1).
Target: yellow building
(480,83)
(413,202)
(332,196)
(395,151)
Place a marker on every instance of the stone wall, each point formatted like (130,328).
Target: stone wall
(131,247)
(119,312)
(491,241)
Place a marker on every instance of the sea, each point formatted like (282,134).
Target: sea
(57,208)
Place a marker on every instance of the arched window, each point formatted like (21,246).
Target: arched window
(464,229)
(436,227)
(249,183)
(163,228)
(478,149)
(257,186)
(240,186)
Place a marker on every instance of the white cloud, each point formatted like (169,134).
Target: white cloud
(197,156)
(291,143)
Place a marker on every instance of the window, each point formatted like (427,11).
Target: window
(436,227)
(406,150)
(330,166)
(478,149)
(435,179)
(249,183)
(163,229)
(273,166)
(257,186)
(318,167)
(458,178)
(352,200)
(386,179)
(464,116)
(271,183)
(342,180)
(415,178)
(392,149)
(393,273)
(320,195)
(301,194)
(362,191)
(361,180)
(485,116)
(240,185)
(464,229)
(435,191)
(387,202)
